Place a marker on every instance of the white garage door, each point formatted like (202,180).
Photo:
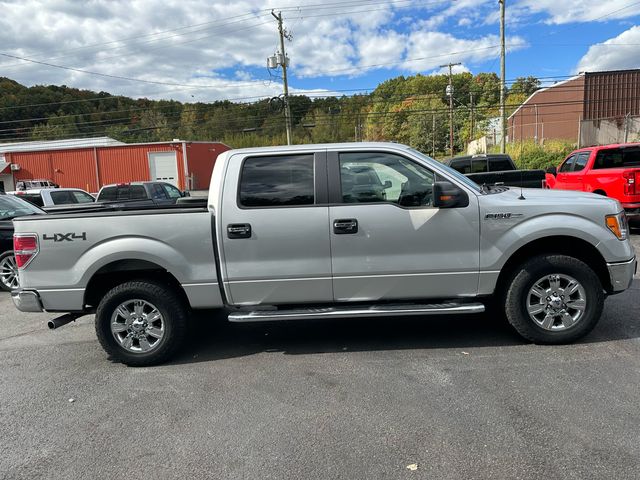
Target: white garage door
(163,167)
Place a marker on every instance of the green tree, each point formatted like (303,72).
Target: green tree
(525,86)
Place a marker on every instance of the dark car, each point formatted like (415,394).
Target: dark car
(10,208)
(496,168)
(155,193)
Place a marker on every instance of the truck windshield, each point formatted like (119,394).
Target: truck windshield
(457,175)
(11,207)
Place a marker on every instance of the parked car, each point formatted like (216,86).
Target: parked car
(155,193)
(609,170)
(496,168)
(51,197)
(304,232)
(11,207)
(33,184)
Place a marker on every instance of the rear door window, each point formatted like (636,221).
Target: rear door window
(499,164)
(462,166)
(277,181)
(82,197)
(64,197)
(108,194)
(479,165)
(137,192)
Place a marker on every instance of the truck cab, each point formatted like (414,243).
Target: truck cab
(610,170)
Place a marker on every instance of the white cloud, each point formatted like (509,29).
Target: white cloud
(226,49)
(617,53)
(224,52)
(429,50)
(385,48)
(567,11)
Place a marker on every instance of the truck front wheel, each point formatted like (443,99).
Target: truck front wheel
(554,299)
(141,323)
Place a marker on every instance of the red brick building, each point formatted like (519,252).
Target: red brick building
(558,112)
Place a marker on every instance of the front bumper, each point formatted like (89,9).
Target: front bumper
(27,301)
(621,274)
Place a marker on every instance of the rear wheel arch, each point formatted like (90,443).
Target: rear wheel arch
(560,245)
(121,271)
(600,192)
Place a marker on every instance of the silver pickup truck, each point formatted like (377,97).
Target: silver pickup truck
(325,231)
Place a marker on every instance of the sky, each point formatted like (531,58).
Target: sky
(206,50)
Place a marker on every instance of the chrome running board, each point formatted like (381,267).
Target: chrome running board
(353,312)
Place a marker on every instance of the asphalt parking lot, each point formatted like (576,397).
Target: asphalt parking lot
(450,397)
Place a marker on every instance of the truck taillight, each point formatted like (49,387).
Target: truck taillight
(25,247)
(631,182)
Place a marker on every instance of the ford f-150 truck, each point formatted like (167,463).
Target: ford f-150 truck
(325,231)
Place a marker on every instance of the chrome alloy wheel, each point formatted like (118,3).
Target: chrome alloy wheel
(556,302)
(9,272)
(138,326)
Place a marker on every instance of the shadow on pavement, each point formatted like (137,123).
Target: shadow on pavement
(214,338)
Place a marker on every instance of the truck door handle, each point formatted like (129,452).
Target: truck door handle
(238,230)
(345,226)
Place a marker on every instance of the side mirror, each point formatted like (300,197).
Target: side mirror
(186,194)
(387,184)
(552,171)
(448,195)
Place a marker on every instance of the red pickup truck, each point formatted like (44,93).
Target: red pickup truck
(611,170)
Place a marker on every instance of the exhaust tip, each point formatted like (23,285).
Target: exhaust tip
(51,324)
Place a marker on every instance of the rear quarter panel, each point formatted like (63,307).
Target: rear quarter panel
(180,243)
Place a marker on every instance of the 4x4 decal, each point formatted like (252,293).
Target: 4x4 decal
(68,237)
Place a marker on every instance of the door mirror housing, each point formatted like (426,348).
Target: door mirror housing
(552,171)
(186,194)
(448,195)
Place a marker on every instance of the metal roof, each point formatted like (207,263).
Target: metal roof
(40,145)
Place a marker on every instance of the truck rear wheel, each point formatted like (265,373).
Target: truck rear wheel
(554,299)
(141,323)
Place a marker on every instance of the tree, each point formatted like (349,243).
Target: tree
(525,86)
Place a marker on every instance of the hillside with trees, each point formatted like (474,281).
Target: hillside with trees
(412,110)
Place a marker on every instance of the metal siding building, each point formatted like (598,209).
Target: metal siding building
(559,111)
(611,94)
(188,165)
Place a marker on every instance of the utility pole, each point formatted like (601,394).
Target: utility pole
(433,136)
(503,112)
(471,130)
(283,63)
(450,93)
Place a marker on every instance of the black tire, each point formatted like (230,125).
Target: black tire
(524,278)
(3,260)
(174,319)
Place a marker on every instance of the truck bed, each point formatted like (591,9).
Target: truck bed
(73,247)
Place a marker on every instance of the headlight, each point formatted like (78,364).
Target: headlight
(618,225)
